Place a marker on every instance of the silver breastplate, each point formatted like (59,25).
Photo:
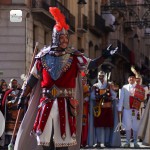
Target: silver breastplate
(55,65)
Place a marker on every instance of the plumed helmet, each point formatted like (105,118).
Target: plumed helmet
(61,27)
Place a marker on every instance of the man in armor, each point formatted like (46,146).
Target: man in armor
(53,81)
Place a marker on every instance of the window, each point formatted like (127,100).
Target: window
(5,2)
(91,50)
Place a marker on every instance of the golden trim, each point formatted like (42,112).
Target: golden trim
(44,143)
(59,144)
(65,144)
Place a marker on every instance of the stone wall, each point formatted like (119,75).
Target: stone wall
(12,46)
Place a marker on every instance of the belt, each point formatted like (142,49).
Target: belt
(55,92)
(106,105)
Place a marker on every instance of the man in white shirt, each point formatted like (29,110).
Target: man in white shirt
(130,115)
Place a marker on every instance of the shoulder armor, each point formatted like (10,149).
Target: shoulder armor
(74,51)
(43,51)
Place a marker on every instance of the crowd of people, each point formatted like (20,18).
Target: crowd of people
(103,104)
(61,111)
(9,95)
(113,111)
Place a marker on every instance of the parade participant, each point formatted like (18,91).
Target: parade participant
(55,85)
(91,128)
(115,137)
(128,105)
(139,84)
(103,107)
(9,107)
(85,118)
(144,127)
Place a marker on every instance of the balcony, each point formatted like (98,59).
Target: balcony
(128,27)
(82,24)
(99,25)
(40,11)
(114,5)
(124,51)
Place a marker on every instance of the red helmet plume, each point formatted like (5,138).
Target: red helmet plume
(59,18)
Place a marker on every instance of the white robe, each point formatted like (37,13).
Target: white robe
(144,127)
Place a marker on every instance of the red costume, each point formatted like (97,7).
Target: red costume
(60,91)
(105,119)
(85,118)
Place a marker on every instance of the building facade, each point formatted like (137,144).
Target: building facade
(93,27)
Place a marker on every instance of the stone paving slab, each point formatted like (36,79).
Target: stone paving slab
(122,143)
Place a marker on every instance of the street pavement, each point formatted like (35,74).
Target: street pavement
(106,148)
(122,143)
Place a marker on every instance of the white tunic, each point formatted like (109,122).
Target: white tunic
(128,120)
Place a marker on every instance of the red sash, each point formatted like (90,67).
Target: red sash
(137,98)
(134,103)
(139,92)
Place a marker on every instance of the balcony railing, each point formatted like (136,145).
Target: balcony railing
(99,26)
(123,50)
(70,19)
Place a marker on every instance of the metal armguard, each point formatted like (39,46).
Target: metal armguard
(30,84)
(95,63)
